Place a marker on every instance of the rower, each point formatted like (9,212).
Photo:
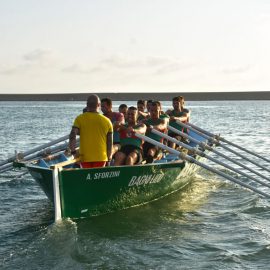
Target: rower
(116,119)
(178,113)
(130,152)
(141,106)
(123,109)
(152,152)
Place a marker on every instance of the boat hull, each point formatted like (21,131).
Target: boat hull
(90,192)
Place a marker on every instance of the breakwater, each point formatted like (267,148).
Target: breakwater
(121,96)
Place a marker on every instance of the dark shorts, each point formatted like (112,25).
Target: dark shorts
(178,137)
(147,146)
(174,135)
(127,149)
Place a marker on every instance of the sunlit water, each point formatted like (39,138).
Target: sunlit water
(212,224)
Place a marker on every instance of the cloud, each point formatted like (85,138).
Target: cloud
(120,62)
(31,61)
(236,69)
(74,68)
(77,68)
(37,55)
(14,70)
(123,62)
(126,64)
(173,66)
(41,57)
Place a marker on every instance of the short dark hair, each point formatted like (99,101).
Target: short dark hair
(178,98)
(133,108)
(140,101)
(156,103)
(107,100)
(122,106)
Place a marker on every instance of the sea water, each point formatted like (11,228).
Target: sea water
(213,224)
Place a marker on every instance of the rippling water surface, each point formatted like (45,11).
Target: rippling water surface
(212,224)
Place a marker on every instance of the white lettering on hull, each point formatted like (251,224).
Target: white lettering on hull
(145,179)
(102,175)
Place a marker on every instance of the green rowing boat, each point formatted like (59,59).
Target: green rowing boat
(79,193)
(89,192)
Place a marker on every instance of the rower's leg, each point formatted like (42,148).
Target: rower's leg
(131,158)
(119,158)
(151,155)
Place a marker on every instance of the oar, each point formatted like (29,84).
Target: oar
(193,160)
(215,141)
(39,154)
(203,154)
(53,150)
(228,142)
(204,145)
(26,153)
(160,145)
(6,167)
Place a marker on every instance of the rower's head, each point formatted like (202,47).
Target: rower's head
(182,101)
(93,103)
(155,110)
(123,109)
(106,105)
(132,115)
(148,104)
(178,102)
(141,105)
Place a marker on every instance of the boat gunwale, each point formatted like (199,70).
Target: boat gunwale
(170,164)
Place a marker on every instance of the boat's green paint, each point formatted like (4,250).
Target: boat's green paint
(43,177)
(88,192)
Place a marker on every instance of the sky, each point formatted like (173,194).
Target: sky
(77,46)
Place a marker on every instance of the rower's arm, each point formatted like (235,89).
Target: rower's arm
(183,118)
(109,145)
(169,112)
(162,126)
(144,114)
(72,139)
(120,121)
(188,115)
(118,126)
(140,129)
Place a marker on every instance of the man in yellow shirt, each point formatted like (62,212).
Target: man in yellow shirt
(95,131)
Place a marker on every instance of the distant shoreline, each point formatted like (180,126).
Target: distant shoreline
(117,96)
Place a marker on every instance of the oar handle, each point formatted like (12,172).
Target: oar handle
(161,145)
(26,153)
(228,142)
(64,163)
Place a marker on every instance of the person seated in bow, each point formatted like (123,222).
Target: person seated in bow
(152,152)
(123,109)
(141,106)
(177,114)
(130,152)
(116,118)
